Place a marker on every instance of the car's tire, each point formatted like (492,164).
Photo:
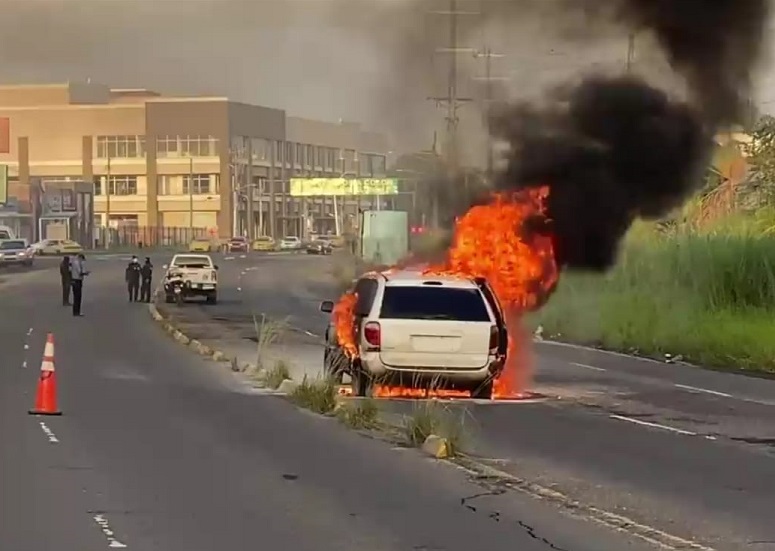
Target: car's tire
(212,298)
(483,391)
(362,383)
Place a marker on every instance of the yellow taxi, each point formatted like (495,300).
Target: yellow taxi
(56,246)
(338,241)
(264,243)
(201,246)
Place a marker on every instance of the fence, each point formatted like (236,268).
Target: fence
(145,236)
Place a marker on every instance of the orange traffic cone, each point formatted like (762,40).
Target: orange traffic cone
(46,400)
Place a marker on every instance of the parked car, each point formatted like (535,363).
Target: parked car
(197,274)
(416,329)
(238,245)
(16,252)
(319,246)
(290,243)
(264,243)
(55,247)
(202,245)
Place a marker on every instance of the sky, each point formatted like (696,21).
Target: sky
(370,61)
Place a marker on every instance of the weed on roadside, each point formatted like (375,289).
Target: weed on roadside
(360,414)
(268,333)
(435,418)
(274,376)
(318,396)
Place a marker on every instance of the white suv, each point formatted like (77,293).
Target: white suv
(413,329)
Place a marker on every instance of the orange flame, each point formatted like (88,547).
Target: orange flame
(343,316)
(495,241)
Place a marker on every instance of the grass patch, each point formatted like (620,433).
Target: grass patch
(707,297)
(318,396)
(433,417)
(268,333)
(359,414)
(278,373)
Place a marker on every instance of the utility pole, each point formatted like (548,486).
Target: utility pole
(489,98)
(452,99)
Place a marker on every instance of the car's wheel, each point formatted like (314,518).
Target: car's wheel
(483,391)
(212,298)
(362,383)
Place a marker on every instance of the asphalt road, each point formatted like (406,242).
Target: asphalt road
(158,449)
(683,449)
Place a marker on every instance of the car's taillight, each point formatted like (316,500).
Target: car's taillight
(494,333)
(213,275)
(372,334)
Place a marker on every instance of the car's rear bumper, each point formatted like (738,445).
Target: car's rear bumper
(418,375)
(16,261)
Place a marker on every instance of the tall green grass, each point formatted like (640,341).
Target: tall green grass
(706,295)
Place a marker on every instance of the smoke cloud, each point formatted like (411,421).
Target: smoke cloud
(616,148)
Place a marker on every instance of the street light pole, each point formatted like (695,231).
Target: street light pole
(191,196)
(107,201)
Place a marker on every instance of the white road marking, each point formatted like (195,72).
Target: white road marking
(704,390)
(242,256)
(24,364)
(26,346)
(104,525)
(50,433)
(312,334)
(239,288)
(586,366)
(228,258)
(29,331)
(653,425)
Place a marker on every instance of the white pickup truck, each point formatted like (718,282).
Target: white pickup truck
(198,273)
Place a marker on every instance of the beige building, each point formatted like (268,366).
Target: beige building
(182,162)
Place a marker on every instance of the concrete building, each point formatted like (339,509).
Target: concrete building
(183,162)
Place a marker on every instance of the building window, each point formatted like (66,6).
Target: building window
(378,166)
(299,154)
(198,146)
(310,154)
(120,147)
(288,152)
(186,146)
(167,146)
(260,149)
(202,184)
(118,185)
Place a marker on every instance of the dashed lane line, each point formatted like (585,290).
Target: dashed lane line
(653,425)
(704,391)
(587,366)
(49,433)
(104,525)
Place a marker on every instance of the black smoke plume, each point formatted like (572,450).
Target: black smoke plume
(613,149)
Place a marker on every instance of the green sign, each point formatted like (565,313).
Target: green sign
(326,187)
(3,184)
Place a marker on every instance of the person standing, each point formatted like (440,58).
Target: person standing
(66,277)
(77,273)
(146,273)
(132,277)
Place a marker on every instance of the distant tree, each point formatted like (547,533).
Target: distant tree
(761,157)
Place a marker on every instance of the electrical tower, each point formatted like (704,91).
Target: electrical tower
(452,100)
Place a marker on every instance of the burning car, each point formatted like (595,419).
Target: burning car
(415,330)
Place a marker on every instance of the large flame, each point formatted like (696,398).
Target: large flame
(503,242)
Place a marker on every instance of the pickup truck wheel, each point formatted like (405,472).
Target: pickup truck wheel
(483,391)
(362,384)
(212,298)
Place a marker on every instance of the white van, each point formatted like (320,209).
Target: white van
(6,233)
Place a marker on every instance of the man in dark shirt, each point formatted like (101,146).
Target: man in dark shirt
(146,273)
(132,278)
(66,278)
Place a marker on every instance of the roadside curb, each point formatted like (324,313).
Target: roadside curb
(218,356)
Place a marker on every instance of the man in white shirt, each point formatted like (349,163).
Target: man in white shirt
(78,272)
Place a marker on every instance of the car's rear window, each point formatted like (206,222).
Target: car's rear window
(6,245)
(434,303)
